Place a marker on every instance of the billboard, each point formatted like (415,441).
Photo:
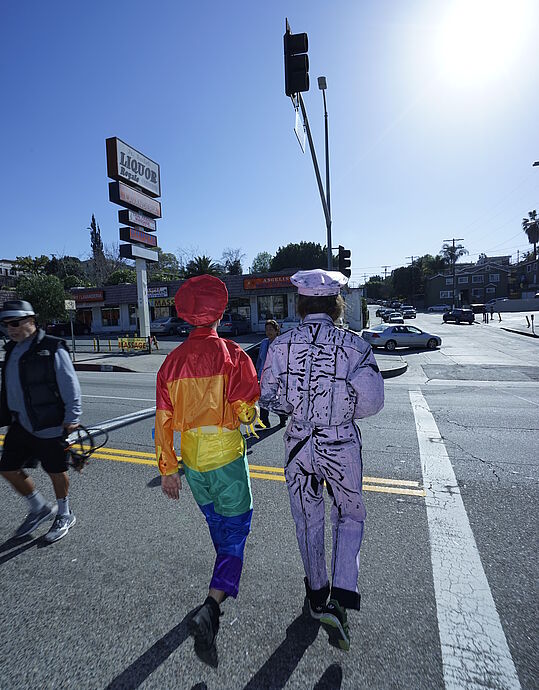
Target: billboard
(128,217)
(121,194)
(126,164)
(136,235)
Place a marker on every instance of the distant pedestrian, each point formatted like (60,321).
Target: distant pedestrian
(41,405)
(491,312)
(499,317)
(206,388)
(325,377)
(272,331)
(485,314)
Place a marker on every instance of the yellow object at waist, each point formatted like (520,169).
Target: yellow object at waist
(208,448)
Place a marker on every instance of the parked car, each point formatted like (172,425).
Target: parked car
(391,337)
(63,328)
(395,317)
(459,315)
(439,307)
(289,323)
(408,311)
(234,324)
(497,300)
(169,325)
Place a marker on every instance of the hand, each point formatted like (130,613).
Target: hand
(171,485)
(70,428)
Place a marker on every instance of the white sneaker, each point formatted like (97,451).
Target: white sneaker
(33,520)
(60,527)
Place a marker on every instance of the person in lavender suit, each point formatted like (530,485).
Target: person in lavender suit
(325,378)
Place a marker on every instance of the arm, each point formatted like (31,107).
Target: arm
(269,383)
(243,390)
(262,357)
(367,381)
(69,387)
(167,460)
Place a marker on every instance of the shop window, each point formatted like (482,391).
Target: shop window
(132,314)
(272,307)
(241,305)
(110,316)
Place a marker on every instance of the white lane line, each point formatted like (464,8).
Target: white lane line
(112,397)
(474,649)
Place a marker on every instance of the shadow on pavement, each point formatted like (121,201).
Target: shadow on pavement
(275,673)
(331,679)
(23,545)
(145,665)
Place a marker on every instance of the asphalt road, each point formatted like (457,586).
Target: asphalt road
(448,563)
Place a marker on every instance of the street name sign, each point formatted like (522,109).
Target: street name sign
(126,164)
(136,235)
(128,217)
(121,194)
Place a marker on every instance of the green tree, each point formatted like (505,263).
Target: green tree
(35,266)
(231,261)
(98,253)
(530,225)
(305,255)
(166,268)
(200,265)
(122,275)
(451,254)
(69,269)
(375,287)
(261,263)
(45,293)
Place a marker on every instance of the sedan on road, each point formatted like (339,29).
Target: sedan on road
(439,307)
(234,324)
(169,325)
(391,337)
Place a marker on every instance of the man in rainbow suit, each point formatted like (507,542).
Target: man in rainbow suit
(206,388)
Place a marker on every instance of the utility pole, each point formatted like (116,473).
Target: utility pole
(412,277)
(385,271)
(453,240)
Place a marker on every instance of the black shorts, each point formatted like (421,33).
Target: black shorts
(23,448)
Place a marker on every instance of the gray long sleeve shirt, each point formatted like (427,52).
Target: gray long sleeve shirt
(68,385)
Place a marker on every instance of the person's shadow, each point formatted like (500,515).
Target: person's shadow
(276,672)
(145,665)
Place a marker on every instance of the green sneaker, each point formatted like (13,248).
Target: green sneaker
(335,622)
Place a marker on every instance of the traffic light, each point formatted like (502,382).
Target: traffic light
(344,261)
(296,63)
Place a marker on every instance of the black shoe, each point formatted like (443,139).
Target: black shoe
(204,626)
(335,623)
(315,600)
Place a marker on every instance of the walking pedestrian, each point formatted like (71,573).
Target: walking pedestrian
(485,314)
(272,331)
(40,404)
(206,388)
(324,377)
(491,312)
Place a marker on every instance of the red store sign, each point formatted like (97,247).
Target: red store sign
(269,282)
(95,296)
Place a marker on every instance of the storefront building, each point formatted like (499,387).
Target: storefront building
(113,308)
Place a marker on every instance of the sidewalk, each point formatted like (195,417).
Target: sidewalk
(390,365)
(514,322)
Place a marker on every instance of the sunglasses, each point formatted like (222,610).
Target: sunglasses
(14,323)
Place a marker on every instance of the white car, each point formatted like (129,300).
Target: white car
(439,307)
(396,317)
(390,337)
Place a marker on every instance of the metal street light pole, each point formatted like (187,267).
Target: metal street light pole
(322,85)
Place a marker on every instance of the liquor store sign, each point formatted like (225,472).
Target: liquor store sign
(124,163)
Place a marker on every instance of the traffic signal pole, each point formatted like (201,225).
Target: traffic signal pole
(325,205)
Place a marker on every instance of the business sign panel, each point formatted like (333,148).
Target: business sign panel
(131,166)
(128,217)
(158,291)
(268,282)
(121,194)
(94,296)
(132,251)
(161,301)
(136,235)
(133,343)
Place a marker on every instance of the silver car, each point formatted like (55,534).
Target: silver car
(390,337)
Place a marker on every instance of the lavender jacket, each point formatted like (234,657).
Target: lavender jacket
(321,375)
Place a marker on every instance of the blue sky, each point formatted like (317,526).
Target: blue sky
(433,111)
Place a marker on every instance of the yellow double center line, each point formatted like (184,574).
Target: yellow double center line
(276,474)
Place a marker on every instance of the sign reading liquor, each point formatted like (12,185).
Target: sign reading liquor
(128,217)
(121,194)
(127,164)
(136,235)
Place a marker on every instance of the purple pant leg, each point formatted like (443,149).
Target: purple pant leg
(305,490)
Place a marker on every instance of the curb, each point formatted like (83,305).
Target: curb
(512,330)
(397,371)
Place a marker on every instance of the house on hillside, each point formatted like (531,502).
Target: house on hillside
(473,283)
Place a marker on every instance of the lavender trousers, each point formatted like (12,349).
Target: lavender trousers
(332,456)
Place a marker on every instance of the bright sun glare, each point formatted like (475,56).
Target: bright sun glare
(481,39)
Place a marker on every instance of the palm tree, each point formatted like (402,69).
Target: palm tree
(530,226)
(451,254)
(201,265)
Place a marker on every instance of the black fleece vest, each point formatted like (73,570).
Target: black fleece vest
(42,399)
